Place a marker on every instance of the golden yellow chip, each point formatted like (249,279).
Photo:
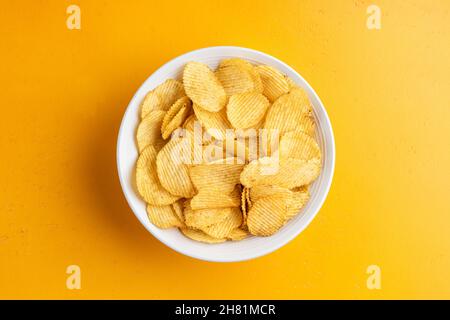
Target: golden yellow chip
(288,173)
(246,110)
(291,83)
(163,217)
(148,132)
(274,82)
(169,92)
(178,210)
(222,177)
(247,197)
(222,229)
(238,76)
(147,181)
(290,112)
(203,87)
(151,102)
(202,218)
(238,234)
(298,201)
(215,123)
(174,110)
(172,169)
(299,145)
(216,198)
(244,205)
(189,123)
(162,97)
(261,191)
(267,215)
(176,122)
(200,236)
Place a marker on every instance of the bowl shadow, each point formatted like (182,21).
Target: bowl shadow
(102,182)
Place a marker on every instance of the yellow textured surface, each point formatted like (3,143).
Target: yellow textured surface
(63,95)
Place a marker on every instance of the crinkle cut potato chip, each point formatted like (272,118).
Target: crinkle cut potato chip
(176,122)
(274,82)
(291,83)
(222,229)
(261,191)
(215,198)
(299,145)
(238,76)
(200,236)
(215,123)
(244,205)
(163,217)
(172,169)
(178,209)
(174,110)
(227,153)
(223,177)
(203,87)
(148,132)
(162,97)
(147,180)
(287,173)
(152,101)
(267,215)
(245,110)
(202,218)
(238,234)
(288,112)
(297,202)
(170,91)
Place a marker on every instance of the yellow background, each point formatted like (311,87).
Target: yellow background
(63,94)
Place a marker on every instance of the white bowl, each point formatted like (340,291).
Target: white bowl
(252,247)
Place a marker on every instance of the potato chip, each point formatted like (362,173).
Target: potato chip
(178,210)
(202,218)
(246,109)
(203,87)
(147,180)
(291,83)
(176,122)
(174,110)
(189,123)
(298,201)
(171,164)
(299,145)
(261,191)
(162,97)
(247,197)
(200,236)
(151,102)
(238,234)
(215,198)
(223,177)
(163,217)
(244,205)
(215,123)
(274,82)
(238,76)
(289,112)
(169,92)
(148,132)
(222,229)
(288,173)
(267,215)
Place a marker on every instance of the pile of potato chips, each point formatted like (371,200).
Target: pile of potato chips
(228,153)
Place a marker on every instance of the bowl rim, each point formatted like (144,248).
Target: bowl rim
(325,188)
